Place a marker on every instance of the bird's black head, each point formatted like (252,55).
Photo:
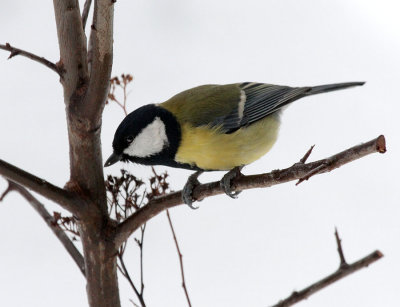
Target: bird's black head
(149,135)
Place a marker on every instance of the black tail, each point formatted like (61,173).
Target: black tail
(331,87)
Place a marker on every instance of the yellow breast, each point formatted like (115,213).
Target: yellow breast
(210,149)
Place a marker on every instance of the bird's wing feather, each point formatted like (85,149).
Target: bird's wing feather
(231,106)
(258,100)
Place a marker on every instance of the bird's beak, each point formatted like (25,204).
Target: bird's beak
(114,158)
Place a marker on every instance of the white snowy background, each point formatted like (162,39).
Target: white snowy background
(256,250)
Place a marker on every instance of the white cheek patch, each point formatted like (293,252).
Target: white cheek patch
(150,141)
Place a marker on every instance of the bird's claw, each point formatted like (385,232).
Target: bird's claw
(226,182)
(187,192)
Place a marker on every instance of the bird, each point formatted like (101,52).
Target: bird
(209,128)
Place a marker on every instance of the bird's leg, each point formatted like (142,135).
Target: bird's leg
(226,181)
(187,192)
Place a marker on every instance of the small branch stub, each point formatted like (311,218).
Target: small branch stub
(307,155)
(343,262)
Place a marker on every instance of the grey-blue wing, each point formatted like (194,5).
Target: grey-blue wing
(258,100)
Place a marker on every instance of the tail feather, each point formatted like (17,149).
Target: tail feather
(331,87)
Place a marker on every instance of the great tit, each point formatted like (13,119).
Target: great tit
(209,128)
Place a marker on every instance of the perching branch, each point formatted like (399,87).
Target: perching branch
(60,196)
(295,172)
(180,259)
(16,51)
(49,220)
(343,271)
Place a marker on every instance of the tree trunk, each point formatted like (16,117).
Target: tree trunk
(101,268)
(85,77)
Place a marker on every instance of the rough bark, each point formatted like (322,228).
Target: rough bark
(101,269)
(85,91)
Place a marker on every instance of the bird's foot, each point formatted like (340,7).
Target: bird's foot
(187,192)
(226,181)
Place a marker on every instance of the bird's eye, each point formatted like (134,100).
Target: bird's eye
(129,139)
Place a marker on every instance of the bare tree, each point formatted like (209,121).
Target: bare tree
(84,69)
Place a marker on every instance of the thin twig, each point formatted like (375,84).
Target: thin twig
(307,155)
(295,172)
(143,228)
(122,106)
(85,12)
(177,248)
(125,272)
(133,303)
(16,51)
(343,262)
(139,242)
(122,83)
(340,273)
(180,259)
(8,190)
(125,98)
(50,221)
(315,171)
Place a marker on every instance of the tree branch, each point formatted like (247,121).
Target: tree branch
(16,51)
(86,165)
(60,196)
(343,271)
(180,259)
(100,59)
(73,53)
(295,172)
(85,13)
(50,221)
